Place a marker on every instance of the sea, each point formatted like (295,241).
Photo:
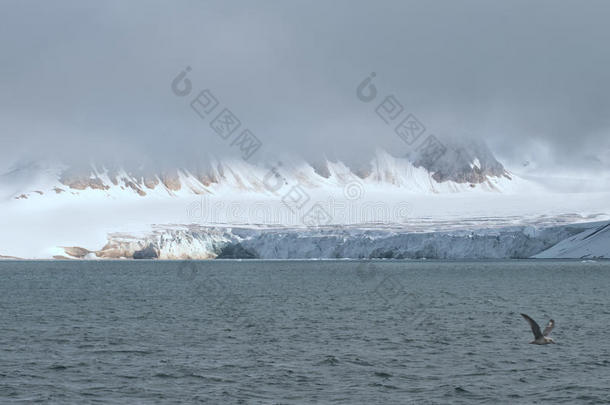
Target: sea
(303,332)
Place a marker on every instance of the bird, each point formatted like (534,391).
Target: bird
(540,338)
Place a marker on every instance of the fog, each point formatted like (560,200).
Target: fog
(92,80)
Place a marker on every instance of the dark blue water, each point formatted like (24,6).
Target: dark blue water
(292,332)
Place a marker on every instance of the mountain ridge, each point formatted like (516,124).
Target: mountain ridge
(470,170)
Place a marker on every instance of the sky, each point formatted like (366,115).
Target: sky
(84,79)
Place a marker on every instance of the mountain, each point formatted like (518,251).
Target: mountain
(384,206)
(463,162)
(459,170)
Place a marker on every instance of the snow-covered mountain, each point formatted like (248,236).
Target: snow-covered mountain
(467,161)
(468,170)
(51,209)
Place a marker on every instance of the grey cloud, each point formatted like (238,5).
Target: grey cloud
(93,79)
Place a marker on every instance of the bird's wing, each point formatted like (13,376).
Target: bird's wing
(548,328)
(533,325)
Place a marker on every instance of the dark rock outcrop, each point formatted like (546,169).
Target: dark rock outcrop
(237,251)
(457,163)
(149,252)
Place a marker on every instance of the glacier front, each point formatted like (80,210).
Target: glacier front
(203,242)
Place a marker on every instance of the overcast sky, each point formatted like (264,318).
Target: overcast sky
(87,78)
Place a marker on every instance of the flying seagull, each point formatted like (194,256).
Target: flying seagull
(540,338)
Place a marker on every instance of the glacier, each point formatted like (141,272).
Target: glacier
(593,243)
(200,242)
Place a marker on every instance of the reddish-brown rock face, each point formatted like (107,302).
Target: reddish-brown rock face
(81,180)
(151,181)
(171,180)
